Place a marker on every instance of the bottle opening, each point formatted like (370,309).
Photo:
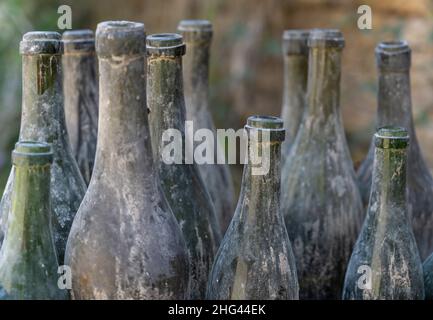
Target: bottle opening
(295,41)
(41,35)
(168,44)
(41,42)
(265,122)
(31,152)
(391,137)
(393,46)
(78,41)
(78,35)
(326,38)
(195,26)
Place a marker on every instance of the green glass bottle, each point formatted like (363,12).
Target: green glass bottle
(320,200)
(385,263)
(80,87)
(28,260)
(295,55)
(182,184)
(428,277)
(43,120)
(197,35)
(255,259)
(394,108)
(125,242)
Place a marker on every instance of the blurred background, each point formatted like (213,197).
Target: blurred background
(246,62)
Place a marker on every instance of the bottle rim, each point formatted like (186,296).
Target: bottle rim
(168,44)
(32,153)
(41,42)
(391,137)
(80,40)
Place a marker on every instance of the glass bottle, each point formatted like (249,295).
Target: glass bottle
(80,87)
(428,277)
(197,35)
(385,263)
(394,108)
(43,120)
(28,260)
(181,182)
(125,242)
(320,200)
(295,55)
(255,259)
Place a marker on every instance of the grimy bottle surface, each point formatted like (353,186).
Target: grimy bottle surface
(197,35)
(80,87)
(320,200)
(428,277)
(295,55)
(385,263)
(28,260)
(394,108)
(255,259)
(125,242)
(43,120)
(182,184)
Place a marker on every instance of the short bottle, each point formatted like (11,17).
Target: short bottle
(385,263)
(255,259)
(28,260)
(125,242)
(43,120)
(80,87)
(197,35)
(394,108)
(295,55)
(182,184)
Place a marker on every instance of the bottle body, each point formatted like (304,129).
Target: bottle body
(197,35)
(181,182)
(43,120)
(255,259)
(386,249)
(320,200)
(80,87)
(30,273)
(394,108)
(125,242)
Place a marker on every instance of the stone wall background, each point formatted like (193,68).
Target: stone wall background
(246,66)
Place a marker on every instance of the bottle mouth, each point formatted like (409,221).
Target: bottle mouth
(32,153)
(295,41)
(391,137)
(170,44)
(393,47)
(273,125)
(198,25)
(393,55)
(326,38)
(41,42)
(78,41)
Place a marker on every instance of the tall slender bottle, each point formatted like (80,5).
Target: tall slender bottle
(385,263)
(28,260)
(255,260)
(428,277)
(80,87)
(43,120)
(394,108)
(182,184)
(125,242)
(320,200)
(197,35)
(295,55)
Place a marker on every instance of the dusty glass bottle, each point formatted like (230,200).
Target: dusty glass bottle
(125,242)
(80,87)
(428,277)
(182,184)
(394,108)
(295,55)
(28,260)
(385,263)
(197,35)
(43,120)
(320,200)
(255,259)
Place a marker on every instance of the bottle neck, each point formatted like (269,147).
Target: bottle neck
(165,99)
(42,116)
(389,184)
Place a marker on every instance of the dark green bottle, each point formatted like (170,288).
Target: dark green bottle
(43,120)
(295,55)
(428,277)
(28,260)
(394,108)
(320,200)
(80,87)
(125,242)
(182,184)
(197,35)
(255,259)
(385,263)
